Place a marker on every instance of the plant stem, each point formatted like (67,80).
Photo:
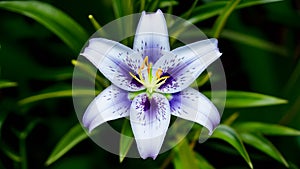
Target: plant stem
(23,153)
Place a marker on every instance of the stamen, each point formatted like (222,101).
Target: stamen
(162,82)
(149,68)
(137,79)
(152,83)
(158,73)
(140,75)
(145,62)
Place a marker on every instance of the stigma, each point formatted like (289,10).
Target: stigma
(149,81)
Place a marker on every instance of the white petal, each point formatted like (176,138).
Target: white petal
(114,61)
(149,120)
(151,36)
(186,63)
(110,104)
(191,105)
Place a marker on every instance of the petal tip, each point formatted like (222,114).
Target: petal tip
(159,11)
(153,156)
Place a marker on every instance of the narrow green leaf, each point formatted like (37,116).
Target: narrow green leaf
(214,8)
(249,40)
(153,5)
(188,12)
(202,162)
(142,5)
(63,73)
(253,41)
(122,8)
(22,142)
(221,20)
(240,99)
(201,80)
(231,119)
(184,156)
(229,135)
(75,135)
(206,11)
(10,153)
(5,84)
(165,4)
(90,72)
(248,3)
(52,18)
(266,129)
(3,116)
(126,140)
(56,94)
(261,143)
(23,135)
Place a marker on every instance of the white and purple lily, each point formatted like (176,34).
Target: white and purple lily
(150,82)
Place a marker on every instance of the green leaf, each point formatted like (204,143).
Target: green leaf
(52,18)
(10,153)
(90,72)
(229,135)
(126,140)
(122,8)
(5,84)
(266,129)
(56,94)
(188,12)
(165,4)
(248,3)
(63,73)
(253,41)
(184,156)
(221,20)
(261,143)
(207,11)
(201,161)
(153,5)
(240,99)
(201,80)
(214,8)
(75,135)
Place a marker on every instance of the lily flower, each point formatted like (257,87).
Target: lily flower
(150,83)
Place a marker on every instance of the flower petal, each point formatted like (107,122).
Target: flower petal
(110,104)
(114,61)
(149,120)
(191,105)
(186,63)
(151,36)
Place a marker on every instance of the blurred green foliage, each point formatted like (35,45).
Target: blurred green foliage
(259,39)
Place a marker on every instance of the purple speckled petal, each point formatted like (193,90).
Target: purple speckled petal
(186,63)
(191,105)
(114,61)
(110,104)
(151,36)
(149,120)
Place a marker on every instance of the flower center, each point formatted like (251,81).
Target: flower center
(150,82)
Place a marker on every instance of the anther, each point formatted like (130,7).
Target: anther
(137,79)
(158,73)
